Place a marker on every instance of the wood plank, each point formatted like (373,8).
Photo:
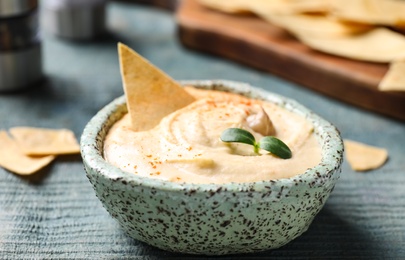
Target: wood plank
(254,42)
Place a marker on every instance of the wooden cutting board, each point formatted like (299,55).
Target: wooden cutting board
(254,42)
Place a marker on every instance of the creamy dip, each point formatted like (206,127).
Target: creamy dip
(185,146)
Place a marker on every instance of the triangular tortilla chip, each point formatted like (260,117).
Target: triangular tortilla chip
(292,6)
(268,6)
(362,157)
(234,6)
(42,141)
(314,25)
(150,93)
(14,160)
(377,45)
(381,12)
(394,79)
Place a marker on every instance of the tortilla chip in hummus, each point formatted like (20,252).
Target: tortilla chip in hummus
(150,93)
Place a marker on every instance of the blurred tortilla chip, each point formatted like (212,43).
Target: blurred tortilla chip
(377,45)
(362,157)
(350,30)
(394,79)
(233,7)
(14,160)
(268,6)
(312,25)
(379,12)
(303,6)
(42,141)
(150,93)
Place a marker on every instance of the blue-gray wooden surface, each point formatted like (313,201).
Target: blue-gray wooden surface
(55,213)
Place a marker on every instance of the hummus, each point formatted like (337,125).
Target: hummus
(185,146)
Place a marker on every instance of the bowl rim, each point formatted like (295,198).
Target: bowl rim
(319,175)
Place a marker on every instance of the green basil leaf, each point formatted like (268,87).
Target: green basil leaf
(268,143)
(275,146)
(238,135)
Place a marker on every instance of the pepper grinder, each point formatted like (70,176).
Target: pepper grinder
(74,19)
(20,44)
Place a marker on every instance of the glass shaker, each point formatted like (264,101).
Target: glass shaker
(20,44)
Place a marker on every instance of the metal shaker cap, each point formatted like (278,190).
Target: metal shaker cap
(57,4)
(74,19)
(16,7)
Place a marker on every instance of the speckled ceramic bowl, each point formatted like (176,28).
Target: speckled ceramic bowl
(208,218)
